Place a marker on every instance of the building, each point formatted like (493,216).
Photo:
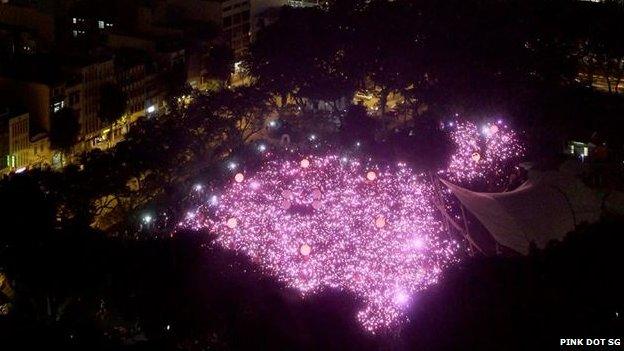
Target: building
(15,149)
(86,77)
(136,76)
(16,40)
(36,84)
(40,24)
(232,16)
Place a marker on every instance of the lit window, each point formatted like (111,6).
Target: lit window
(58,106)
(101,24)
(74,20)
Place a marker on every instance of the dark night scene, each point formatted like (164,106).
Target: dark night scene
(331,175)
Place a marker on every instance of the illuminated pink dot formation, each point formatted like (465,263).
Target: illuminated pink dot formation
(319,222)
(483,154)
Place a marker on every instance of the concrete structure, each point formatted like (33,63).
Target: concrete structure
(15,152)
(86,78)
(41,97)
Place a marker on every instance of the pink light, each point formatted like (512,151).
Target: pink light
(305,163)
(371,176)
(380,222)
(239,177)
(339,222)
(305,250)
(232,223)
(483,156)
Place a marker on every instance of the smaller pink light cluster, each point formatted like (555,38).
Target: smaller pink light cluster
(483,154)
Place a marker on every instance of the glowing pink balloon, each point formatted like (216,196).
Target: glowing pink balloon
(232,223)
(305,250)
(371,176)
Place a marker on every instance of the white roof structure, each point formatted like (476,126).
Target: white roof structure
(546,207)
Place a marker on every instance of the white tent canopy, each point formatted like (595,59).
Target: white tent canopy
(545,207)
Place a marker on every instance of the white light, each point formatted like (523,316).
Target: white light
(168,327)
(151,109)
(401,298)
(272,123)
(147,219)
(262,148)
(358,144)
(20,170)
(198,187)
(232,165)
(313,137)
(214,200)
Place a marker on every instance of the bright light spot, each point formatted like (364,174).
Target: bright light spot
(371,176)
(198,187)
(151,109)
(232,165)
(312,137)
(418,244)
(305,250)
(305,163)
(20,170)
(358,144)
(262,148)
(214,200)
(272,123)
(232,223)
(239,177)
(147,219)
(401,298)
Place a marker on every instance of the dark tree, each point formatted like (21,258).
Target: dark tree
(64,130)
(220,63)
(357,125)
(425,146)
